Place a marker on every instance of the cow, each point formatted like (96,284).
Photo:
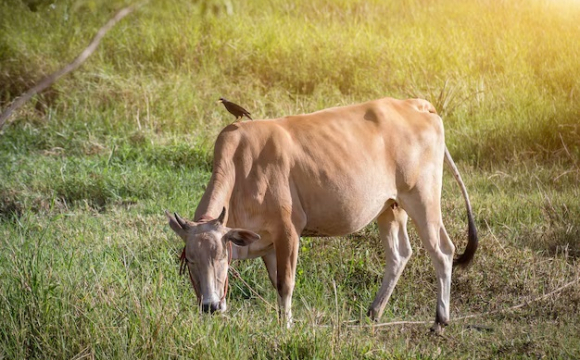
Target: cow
(327,173)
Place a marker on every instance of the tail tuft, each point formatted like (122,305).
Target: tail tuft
(465,259)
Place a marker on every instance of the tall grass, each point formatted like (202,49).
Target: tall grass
(489,68)
(87,263)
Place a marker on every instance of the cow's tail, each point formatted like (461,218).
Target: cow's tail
(465,258)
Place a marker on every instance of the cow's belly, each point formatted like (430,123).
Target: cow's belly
(343,208)
(337,222)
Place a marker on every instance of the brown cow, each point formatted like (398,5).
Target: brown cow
(329,173)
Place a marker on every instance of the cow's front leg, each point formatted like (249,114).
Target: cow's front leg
(286,247)
(270,262)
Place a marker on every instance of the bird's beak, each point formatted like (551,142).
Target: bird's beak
(218,102)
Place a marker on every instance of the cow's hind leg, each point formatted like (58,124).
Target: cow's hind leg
(393,231)
(425,210)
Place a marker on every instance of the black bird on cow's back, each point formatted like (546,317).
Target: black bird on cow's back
(235,109)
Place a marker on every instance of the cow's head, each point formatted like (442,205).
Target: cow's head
(206,256)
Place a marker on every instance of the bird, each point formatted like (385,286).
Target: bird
(235,109)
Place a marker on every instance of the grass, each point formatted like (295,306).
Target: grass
(88,265)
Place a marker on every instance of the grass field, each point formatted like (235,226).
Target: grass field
(88,265)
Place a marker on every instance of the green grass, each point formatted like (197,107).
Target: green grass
(88,264)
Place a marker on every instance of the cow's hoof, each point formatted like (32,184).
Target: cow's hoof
(437,329)
(373,315)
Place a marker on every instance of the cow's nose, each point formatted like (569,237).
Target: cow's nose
(210,308)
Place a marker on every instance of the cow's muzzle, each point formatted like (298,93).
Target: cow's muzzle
(210,308)
(213,307)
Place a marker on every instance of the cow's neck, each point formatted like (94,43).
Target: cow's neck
(215,198)
(239,252)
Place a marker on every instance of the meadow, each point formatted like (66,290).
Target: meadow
(88,265)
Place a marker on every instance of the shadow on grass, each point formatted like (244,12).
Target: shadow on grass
(558,235)
(11,208)
(554,241)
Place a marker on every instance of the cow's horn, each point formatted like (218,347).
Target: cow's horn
(180,221)
(222,216)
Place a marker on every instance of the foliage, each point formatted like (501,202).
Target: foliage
(87,263)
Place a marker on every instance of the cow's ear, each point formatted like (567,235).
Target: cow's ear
(241,237)
(177,224)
